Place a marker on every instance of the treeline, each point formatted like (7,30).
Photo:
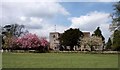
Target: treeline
(15,37)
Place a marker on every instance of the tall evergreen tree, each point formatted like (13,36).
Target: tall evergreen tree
(108,44)
(98,33)
(116,40)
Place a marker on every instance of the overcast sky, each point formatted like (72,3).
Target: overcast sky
(41,17)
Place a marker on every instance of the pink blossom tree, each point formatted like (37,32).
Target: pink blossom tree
(30,41)
(43,41)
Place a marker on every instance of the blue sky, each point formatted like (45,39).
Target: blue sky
(81,8)
(77,9)
(41,17)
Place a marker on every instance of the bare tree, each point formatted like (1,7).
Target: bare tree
(92,41)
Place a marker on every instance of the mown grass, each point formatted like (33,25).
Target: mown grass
(59,60)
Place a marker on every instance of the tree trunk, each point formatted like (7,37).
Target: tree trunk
(71,48)
(65,48)
(91,47)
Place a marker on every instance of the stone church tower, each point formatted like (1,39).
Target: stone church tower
(54,40)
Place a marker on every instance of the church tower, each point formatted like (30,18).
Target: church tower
(54,40)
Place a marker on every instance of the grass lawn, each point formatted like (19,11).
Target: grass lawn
(59,60)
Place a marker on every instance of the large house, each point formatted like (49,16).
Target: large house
(55,43)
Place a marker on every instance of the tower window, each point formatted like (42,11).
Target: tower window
(53,36)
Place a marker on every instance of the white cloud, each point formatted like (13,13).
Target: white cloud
(13,11)
(22,18)
(91,21)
